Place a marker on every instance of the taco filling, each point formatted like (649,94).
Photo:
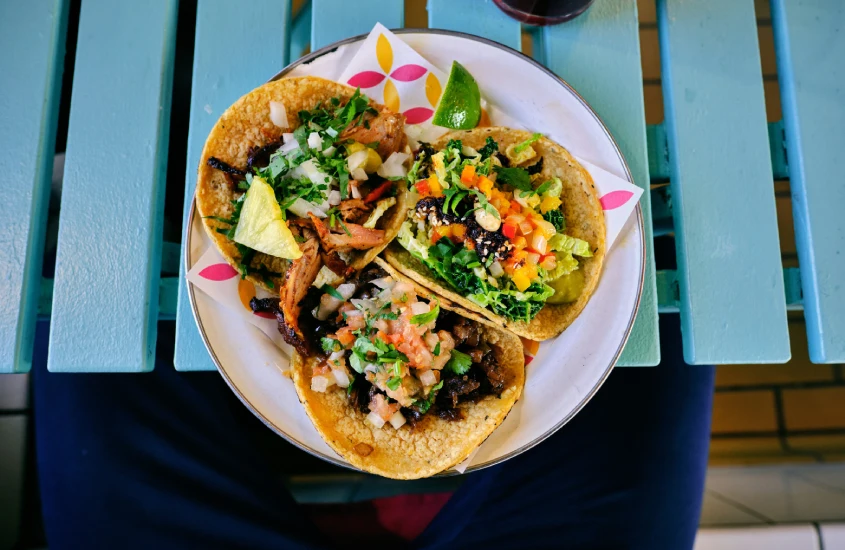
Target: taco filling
(490,226)
(398,356)
(314,198)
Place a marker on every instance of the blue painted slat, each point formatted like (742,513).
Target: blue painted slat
(28,111)
(300,33)
(607,36)
(334,20)
(108,258)
(220,77)
(810,45)
(479,17)
(729,267)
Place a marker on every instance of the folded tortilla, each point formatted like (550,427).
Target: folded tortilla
(247,124)
(584,220)
(434,444)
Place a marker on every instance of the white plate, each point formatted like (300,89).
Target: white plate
(568,370)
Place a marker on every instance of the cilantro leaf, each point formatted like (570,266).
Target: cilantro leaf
(459,363)
(394,382)
(428,317)
(329,345)
(425,404)
(356,363)
(515,177)
(349,387)
(331,291)
(490,147)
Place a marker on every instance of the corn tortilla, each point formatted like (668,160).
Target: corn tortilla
(584,220)
(434,444)
(247,124)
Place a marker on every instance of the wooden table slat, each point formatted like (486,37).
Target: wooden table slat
(108,261)
(810,46)
(220,77)
(29,107)
(729,267)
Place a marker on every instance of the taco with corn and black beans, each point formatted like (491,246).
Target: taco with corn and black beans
(403,384)
(300,183)
(506,224)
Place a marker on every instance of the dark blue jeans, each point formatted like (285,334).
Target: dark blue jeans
(172,460)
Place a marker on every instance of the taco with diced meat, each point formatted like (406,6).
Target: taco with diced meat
(403,385)
(300,182)
(506,224)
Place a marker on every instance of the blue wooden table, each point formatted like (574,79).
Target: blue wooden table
(715,148)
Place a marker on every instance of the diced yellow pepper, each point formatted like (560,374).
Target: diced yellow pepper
(520,279)
(485,185)
(549,203)
(354,147)
(373,161)
(434,185)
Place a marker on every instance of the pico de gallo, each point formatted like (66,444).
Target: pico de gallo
(396,354)
(490,227)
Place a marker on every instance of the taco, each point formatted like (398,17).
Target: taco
(506,224)
(403,385)
(300,183)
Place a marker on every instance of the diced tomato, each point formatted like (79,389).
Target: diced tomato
(509,230)
(377,193)
(516,207)
(530,346)
(468,174)
(423,188)
(345,336)
(548,262)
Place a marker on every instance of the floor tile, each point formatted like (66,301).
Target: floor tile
(780,537)
(780,493)
(13,438)
(717,512)
(14,392)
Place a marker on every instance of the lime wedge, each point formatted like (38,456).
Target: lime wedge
(261,226)
(460,104)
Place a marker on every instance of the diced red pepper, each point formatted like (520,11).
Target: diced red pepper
(509,230)
(376,193)
(423,188)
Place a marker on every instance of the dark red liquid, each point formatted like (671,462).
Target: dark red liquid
(543,12)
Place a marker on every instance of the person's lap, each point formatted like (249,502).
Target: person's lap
(171,460)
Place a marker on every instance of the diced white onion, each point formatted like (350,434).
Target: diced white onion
(538,242)
(354,189)
(375,420)
(431,340)
(331,131)
(468,151)
(302,207)
(320,383)
(493,282)
(393,167)
(278,114)
(356,160)
(397,420)
(346,290)
(359,175)
(384,282)
(287,137)
(370,367)
(418,308)
(428,378)
(496,269)
(315,141)
(479,272)
(310,170)
(329,151)
(354,313)
(335,355)
(368,305)
(334,197)
(341,378)
(328,305)
(289,146)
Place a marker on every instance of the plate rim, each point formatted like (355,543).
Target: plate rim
(336,460)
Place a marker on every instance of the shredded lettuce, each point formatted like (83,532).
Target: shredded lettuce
(565,243)
(416,245)
(381,208)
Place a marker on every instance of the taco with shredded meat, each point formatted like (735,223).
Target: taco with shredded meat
(301,183)
(403,385)
(506,224)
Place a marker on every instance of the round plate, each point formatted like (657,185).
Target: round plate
(568,370)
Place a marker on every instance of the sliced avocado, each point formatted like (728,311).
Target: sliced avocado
(261,226)
(567,288)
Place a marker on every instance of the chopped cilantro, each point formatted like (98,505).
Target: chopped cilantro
(349,387)
(329,345)
(331,291)
(424,404)
(437,349)
(394,382)
(424,318)
(459,363)
(515,177)
(356,363)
